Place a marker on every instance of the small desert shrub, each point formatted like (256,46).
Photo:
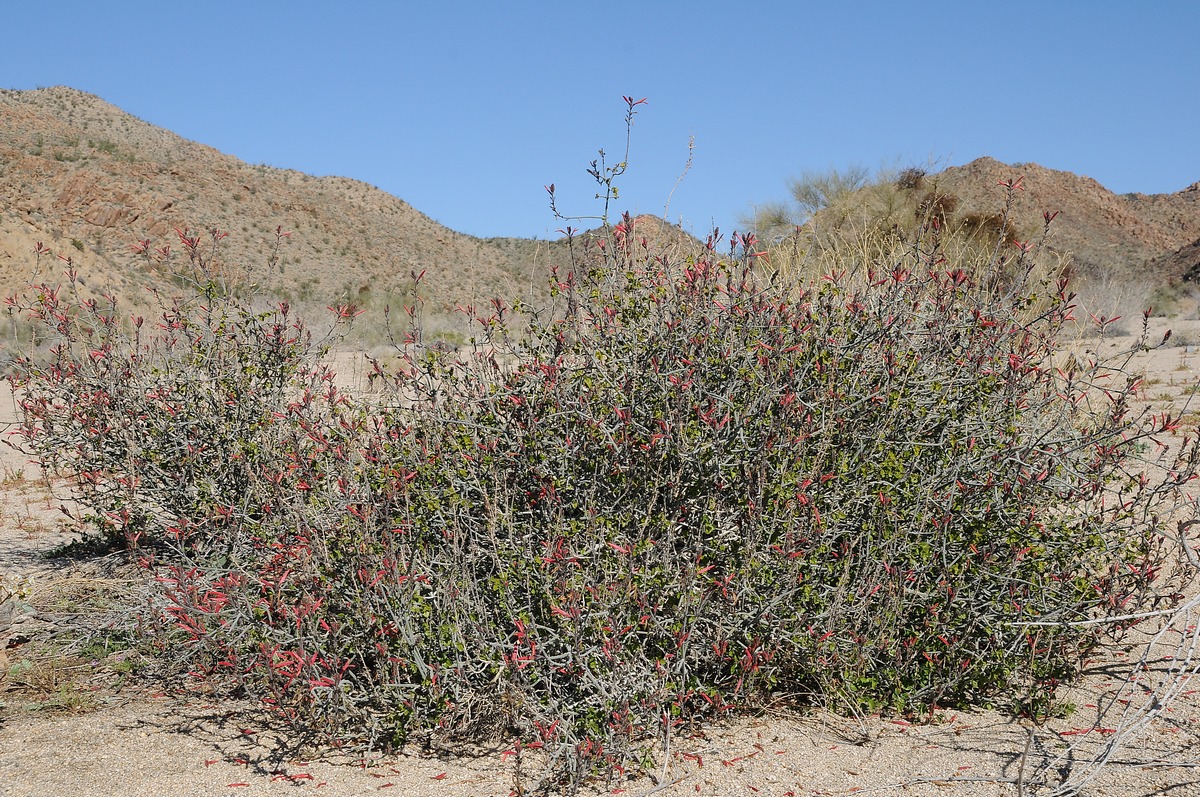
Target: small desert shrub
(1166,300)
(679,488)
(911,179)
(936,205)
(988,228)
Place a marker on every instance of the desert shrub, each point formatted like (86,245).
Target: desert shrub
(1165,299)
(911,179)
(935,205)
(988,228)
(812,193)
(679,489)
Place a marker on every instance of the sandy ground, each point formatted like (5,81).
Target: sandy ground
(82,733)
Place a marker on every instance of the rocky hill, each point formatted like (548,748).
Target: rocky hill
(1105,233)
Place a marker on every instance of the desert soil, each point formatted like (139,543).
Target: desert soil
(69,725)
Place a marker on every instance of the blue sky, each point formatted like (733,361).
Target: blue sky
(467,109)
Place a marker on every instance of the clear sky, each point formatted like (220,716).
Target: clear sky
(466,109)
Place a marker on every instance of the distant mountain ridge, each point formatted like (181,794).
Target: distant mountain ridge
(89,180)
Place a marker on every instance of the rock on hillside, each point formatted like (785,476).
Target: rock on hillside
(1184,261)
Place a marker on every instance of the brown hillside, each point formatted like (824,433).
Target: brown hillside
(90,180)
(1105,233)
